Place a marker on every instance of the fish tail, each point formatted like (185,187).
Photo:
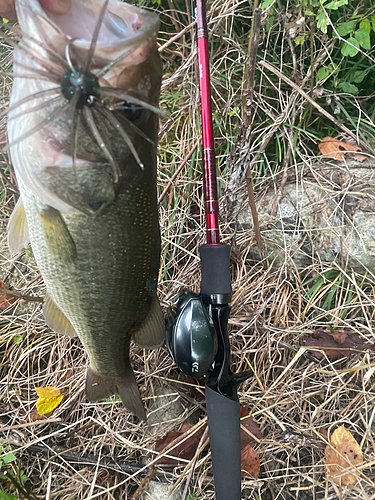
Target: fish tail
(100,387)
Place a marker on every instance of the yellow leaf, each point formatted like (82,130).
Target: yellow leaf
(343,452)
(49,399)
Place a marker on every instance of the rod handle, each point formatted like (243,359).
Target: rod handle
(225,442)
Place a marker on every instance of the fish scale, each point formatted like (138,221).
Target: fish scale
(95,240)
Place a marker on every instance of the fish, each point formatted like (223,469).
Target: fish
(82,133)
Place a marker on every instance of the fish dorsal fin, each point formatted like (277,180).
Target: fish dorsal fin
(56,319)
(57,235)
(152,331)
(100,387)
(18,232)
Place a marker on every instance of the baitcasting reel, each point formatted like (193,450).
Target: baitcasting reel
(191,336)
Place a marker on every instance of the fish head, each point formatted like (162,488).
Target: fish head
(83,116)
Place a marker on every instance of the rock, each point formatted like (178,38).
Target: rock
(327,218)
(167,407)
(160,491)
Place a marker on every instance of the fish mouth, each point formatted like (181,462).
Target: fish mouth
(87,64)
(122,28)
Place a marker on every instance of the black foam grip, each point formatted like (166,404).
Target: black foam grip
(225,442)
(215,269)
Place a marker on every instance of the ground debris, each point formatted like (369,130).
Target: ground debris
(339,343)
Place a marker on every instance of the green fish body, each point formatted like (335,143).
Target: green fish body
(90,209)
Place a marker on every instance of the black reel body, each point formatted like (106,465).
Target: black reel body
(191,336)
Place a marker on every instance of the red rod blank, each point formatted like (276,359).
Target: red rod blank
(209,158)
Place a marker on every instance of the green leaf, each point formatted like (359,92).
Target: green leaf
(373,22)
(9,457)
(322,21)
(17,339)
(349,50)
(366,24)
(309,12)
(345,28)
(6,496)
(267,3)
(358,76)
(363,38)
(348,88)
(323,73)
(270,23)
(336,4)
(299,40)
(5,20)
(113,399)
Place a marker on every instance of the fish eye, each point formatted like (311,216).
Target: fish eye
(130,110)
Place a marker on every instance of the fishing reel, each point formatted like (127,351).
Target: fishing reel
(190,335)
(196,331)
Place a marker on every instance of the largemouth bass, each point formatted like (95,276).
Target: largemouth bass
(82,133)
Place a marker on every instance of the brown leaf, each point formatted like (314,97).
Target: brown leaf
(337,344)
(244,411)
(250,463)
(249,428)
(185,427)
(34,416)
(343,452)
(323,432)
(333,148)
(339,337)
(185,450)
(5,301)
(196,387)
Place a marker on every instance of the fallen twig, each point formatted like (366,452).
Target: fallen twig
(4,293)
(90,460)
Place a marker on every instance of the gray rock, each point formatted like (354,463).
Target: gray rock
(168,407)
(321,220)
(160,491)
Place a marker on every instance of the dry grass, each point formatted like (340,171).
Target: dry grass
(290,395)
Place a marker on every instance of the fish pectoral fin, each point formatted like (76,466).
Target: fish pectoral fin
(100,387)
(57,234)
(18,232)
(56,319)
(152,331)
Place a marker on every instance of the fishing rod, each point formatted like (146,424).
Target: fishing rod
(197,337)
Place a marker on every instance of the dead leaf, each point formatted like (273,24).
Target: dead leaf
(5,301)
(343,452)
(185,427)
(339,150)
(337,344)
(250,463)
(34,416)
(339,337)
(185,450)
(196,387)
(249,428)
(49,399)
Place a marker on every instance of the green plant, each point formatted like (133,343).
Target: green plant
(337,297)
(12,477)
